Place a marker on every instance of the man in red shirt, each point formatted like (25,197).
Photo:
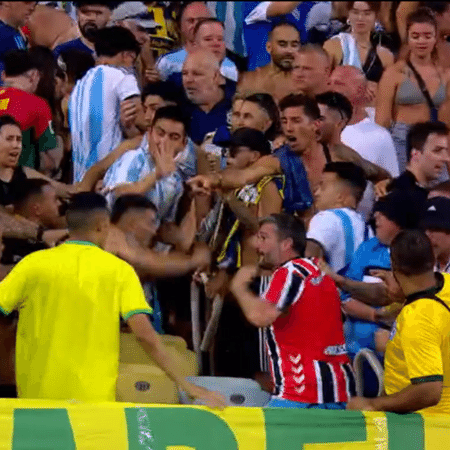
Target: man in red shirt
(302,312)
(17,99)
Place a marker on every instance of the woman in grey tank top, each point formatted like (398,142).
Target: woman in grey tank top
(404,101)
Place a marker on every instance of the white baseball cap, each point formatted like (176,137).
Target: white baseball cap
(136,11)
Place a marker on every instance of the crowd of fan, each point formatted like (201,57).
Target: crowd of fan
(334,113)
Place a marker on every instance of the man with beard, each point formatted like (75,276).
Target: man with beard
(275,77)
(300,116)
(302,312)
(92,16)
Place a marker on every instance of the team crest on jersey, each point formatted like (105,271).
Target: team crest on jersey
(317,280)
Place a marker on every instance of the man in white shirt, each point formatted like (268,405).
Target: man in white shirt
(96,123)
(170,65)
(337,230)
(370,140)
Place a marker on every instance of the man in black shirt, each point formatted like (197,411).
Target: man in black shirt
(428,154)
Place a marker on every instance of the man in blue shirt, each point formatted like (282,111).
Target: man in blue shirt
(13,15)
(393,213)
(207,103)
(92,16)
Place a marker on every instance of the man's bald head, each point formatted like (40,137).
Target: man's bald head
(351,82)
(201,76)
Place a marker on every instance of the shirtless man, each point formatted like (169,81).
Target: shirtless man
(275,77)
(300,119)
(50,27)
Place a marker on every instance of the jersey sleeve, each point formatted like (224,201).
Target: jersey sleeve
(128,87)
(421,342)
(356,268)
(12,288)
(285,288)
(258,14)
(43,127)
(323,228)
(132,299)
(163,67)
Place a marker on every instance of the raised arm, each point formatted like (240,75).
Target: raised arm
(334,50)
(235,178)
(373,172)
(97,171)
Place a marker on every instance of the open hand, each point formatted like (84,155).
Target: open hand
(128,112)
(164,161)
(209,398)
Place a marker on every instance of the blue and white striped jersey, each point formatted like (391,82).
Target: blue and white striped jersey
(340,232)
(137,164)
(94,114)
(172,62)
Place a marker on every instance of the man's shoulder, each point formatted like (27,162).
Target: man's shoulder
(8,34)
(74,44)
(368,126)
(175,56)
(371,245)
(328,216)
(301,266)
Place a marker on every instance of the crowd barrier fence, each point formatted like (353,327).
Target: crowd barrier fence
(62,425)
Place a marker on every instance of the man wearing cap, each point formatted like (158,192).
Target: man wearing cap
(248,204)
(135,17)
(239,222)
(361,285)
(91,16)
(436,223)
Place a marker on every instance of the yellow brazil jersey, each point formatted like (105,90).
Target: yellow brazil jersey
(70,299)
(419,348)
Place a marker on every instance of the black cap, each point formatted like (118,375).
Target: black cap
(251,138)
(437,214)
(401,208)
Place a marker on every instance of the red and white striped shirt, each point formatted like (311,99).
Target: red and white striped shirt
(308,359)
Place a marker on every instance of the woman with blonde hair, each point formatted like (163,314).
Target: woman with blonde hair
(415,89)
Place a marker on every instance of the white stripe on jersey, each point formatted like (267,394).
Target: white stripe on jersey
(347,381)
(319,382)
(335,385)
(94,114)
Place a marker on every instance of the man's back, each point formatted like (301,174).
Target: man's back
(94,114)
(375,144)
(70,300)
(306,344)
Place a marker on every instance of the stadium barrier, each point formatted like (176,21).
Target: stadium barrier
(60,425)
